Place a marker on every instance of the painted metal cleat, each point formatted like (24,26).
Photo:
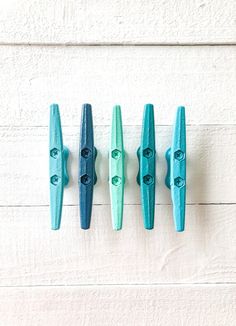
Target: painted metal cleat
(87,174)
(116,169)
(147,167)
(58,157)
(176,170)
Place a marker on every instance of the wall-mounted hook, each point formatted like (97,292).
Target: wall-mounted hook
(116,169)
(58,157)
(87,174)
(147,167)
(176,172)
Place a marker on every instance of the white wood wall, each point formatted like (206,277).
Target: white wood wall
(107,52)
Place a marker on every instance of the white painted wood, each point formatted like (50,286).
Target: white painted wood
(186,21)
(32,254)
(201,78)
(211,165)
(113,306)
(155,278)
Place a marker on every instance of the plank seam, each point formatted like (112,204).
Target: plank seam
(126,44)
(220,284)
(98,205)
(124,126)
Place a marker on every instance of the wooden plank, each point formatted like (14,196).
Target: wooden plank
(211,167)
(101,306)
(121,22)
(32,254)
(201,78)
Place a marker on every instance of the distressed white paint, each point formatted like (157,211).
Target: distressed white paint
(118,21)
(32,254)
(211,165)
(201,78)
(119,306)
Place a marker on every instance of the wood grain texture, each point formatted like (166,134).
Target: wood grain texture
(122,22)
(32,254)
(119,306)
(211,170)
(133,277)
(201,78)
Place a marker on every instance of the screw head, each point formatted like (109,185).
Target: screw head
(85,179)
(55,179)
(54,153)
(85,152)
(116,181)
(179,182)
(116,154)
(148,179)
(147,152)
(179,155)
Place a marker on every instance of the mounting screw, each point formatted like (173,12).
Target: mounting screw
(85,179)
(55,179)
(85,152)
(147,152)
(116,181)
(116,154)
(179,182)
(148,179)
(54,153)
(179,155)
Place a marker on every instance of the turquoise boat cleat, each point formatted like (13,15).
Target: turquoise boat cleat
(58,176)
(116,169)
(147,167)
(176,171)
